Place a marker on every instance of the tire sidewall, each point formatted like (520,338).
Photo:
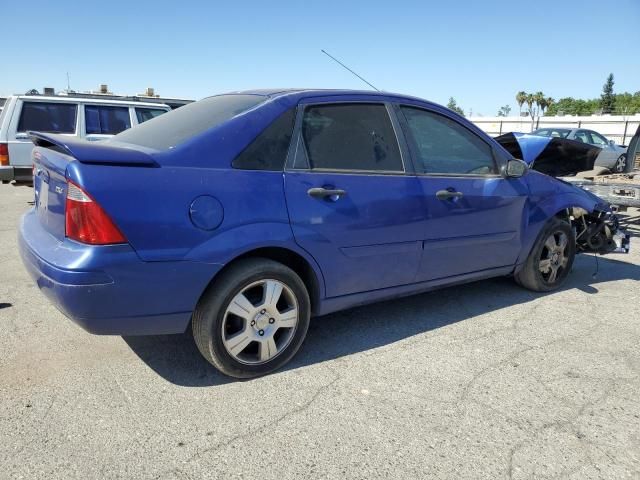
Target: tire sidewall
(555,225)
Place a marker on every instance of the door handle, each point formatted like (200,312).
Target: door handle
(22,136)
(321,192)
(447,194)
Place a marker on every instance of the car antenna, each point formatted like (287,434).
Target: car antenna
(343,65)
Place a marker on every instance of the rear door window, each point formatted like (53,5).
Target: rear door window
(144,114)
(48,117)
(350,137)
(106,119)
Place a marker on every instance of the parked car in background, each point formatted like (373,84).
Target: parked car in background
(242,215)
(612,156)
(85,118)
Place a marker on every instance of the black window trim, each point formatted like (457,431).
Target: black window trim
(497,159)
(296,141)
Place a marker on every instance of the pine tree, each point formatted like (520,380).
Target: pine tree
(452,105)
(608,99)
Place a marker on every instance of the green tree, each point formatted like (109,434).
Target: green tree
(627,103)
(530,100)
(607,99)
(504,111)
(521,98)
(539,99)
(452,105)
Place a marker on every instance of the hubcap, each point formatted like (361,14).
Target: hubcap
(553,259)
(260,321)
(621,164)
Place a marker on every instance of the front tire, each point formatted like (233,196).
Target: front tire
(252,319)
(550,259)
(621,164)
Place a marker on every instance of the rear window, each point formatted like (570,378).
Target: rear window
(145,114)
(177,126)
(106,120)
(48,117)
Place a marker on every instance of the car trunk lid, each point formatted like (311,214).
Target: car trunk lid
(51,158)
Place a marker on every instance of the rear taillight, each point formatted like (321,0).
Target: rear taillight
(86,221)
(4,154)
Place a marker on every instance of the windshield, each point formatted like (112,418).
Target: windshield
(177,126)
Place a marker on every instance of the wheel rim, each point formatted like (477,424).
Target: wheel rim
(553,258)
(621,163)
(260,322)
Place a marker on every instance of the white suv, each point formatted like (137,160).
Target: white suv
(93,119)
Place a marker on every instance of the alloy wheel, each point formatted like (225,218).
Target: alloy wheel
(260,322)
(554,259)
(621,164)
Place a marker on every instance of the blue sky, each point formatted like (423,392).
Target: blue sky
(480,52)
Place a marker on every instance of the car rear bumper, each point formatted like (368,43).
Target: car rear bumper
(108,290)
(21,174)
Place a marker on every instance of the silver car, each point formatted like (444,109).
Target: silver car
(612,156)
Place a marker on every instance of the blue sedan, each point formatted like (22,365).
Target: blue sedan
(243,215)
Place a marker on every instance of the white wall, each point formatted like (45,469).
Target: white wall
(611,126)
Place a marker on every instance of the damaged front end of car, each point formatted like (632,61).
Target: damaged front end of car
(598,231)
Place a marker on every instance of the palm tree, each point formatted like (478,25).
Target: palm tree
(542,103)
(539,99)
(521,98)
(549,101)
(530,100)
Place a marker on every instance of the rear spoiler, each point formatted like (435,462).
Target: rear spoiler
(93,152)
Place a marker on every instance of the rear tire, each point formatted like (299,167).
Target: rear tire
(252,319)
(550,259)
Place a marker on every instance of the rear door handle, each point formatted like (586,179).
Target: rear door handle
(448,194)
(22,136)
(321,192)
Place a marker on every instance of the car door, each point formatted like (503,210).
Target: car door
(606,157)
(473,215)
(352,204)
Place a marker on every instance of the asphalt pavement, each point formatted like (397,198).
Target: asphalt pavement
(485,380)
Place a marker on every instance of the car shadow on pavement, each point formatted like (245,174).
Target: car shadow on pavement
(176,358)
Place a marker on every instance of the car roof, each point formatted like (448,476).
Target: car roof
(64,99)
(299,93)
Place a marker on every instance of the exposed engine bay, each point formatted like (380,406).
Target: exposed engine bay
(597,231)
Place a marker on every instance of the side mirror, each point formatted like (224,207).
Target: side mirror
(612,143)
(515,168)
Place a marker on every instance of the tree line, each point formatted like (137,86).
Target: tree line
(537,104)
(609,103)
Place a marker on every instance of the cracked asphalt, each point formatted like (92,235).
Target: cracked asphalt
(485,380)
